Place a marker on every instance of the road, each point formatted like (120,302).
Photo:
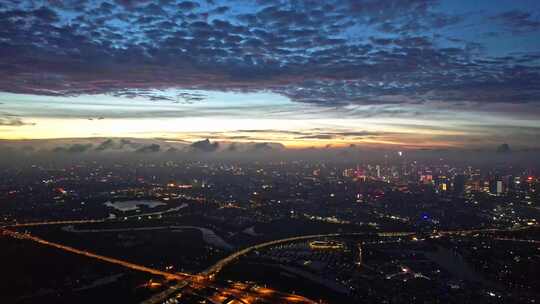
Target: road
(243,295)
(213,270)
(206,277)
(199,281)
(248,293)
(166,275)
(518,240)
(46,223)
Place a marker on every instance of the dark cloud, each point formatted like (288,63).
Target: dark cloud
(152,148)
(318,136)
(122,144)
(205,146)
(12,121)
(172,150)
(189,98)
(349,135)
(220,10)
(108,144)
(266,147)
(75,148)
(518,21)
(128,142)
(311,51)
(188,5)
(271,131)
(503,148)
(326,134)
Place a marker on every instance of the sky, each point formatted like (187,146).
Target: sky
(393,73)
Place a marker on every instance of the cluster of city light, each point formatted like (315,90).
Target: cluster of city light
(326,245)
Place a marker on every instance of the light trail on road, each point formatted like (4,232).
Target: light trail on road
(205,278)
(185,279)
(518,240)
(167,275)
(46,223)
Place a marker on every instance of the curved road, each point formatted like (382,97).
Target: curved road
(216,268)
(210,273)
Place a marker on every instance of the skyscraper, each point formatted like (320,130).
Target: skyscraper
(459,184)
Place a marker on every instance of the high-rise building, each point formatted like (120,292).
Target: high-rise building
(476,186)
(349,172)
(510,184)
(442,183)
(500,188)
(459,184)
(426,179)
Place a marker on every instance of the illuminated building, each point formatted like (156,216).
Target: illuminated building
(348,172)
(499,187)
(476,186)
(441,183)
(496,186)
(426,179)
(326,245)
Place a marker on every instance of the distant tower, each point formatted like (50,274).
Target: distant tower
(459,184)
(500,189)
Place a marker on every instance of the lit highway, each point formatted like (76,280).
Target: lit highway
(518,240)
(247,294)
(216,268)
(167,275)
(46,223)
(237,291)
(241,292)
(250,297)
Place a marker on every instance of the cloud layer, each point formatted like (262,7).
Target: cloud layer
(328,53)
